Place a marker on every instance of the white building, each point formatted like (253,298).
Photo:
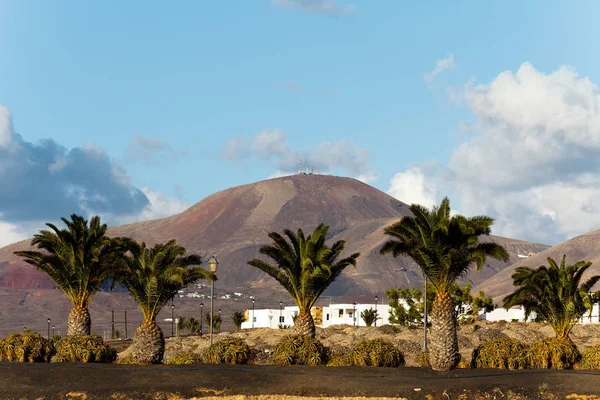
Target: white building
(324,316)
(517,313)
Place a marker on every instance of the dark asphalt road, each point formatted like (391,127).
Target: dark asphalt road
(18,381)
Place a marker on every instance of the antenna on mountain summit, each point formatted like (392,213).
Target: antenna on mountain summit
(300,167)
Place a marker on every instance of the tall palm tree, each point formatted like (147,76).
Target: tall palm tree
(555,293)
(305,267)
(445,247)
(79,259)
(153,276)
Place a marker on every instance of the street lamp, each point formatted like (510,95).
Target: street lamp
(172,319)
(425,311)
(253,312)
(375,310)
(201,317)
(48,328)
(280,311)
(212,264)
(52,330)
(354,314)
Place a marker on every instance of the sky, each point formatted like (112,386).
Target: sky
(136,110)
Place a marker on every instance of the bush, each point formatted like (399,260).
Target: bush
(85,349)
(423,359)
(230,351)
(553,353)
(185,359)
(377,353)
(300,350)
(127,361)
(463,364)
(339,360)
(500,353)
(25,347)
(590,359)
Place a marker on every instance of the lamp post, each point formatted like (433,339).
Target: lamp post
(253,312)
(48,328)
(212,264)
(354,314)
(52,330)
(220,320)
(280,312)
(172,319)
(425,312)
(376,310)
(201,317)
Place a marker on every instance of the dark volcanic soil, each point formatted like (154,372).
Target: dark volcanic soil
(60,381)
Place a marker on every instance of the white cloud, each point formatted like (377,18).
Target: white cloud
(6,128)
(532,159)
(441,65)
(317,6)
(412,186)
(273,145)
(10,233)
(279,174)
(161,206)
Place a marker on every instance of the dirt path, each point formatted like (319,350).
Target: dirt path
(89,381)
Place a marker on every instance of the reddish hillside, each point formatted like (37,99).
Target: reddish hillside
(234,223)
(585,247)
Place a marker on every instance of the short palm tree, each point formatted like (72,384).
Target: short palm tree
(445,247)
(216,322)
(193,325)
(369,316)
(79,258)
(305,267)
(153,276)
(554,293)
(238,318)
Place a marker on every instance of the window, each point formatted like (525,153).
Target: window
(327,317)
(281,319)
(341,313)
(254,319)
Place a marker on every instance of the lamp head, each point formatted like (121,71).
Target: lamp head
(213,263)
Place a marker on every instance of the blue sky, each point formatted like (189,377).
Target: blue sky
(166,90)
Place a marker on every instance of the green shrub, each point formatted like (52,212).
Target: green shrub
(423,359)
(377,353)
(185,359)
(300,350)
(500,353)
(590,359)
(25,347)
(463,364)
(339,360)
(230,351)
(553,353)
(85,349)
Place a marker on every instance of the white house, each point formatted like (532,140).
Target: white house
(517,313)
(324,316)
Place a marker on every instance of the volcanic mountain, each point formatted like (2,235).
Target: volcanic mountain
(585,247)
(234,223)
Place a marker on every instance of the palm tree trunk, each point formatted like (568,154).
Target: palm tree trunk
(148,345)
(79,322)
(443,349)
(305,324)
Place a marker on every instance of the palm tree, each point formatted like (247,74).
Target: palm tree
(216,322)
(79,259)
(153,276)
(238,318)
(555,293)
(193,325)
(180,322)
(444,247)
(305,267)
(369,316)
